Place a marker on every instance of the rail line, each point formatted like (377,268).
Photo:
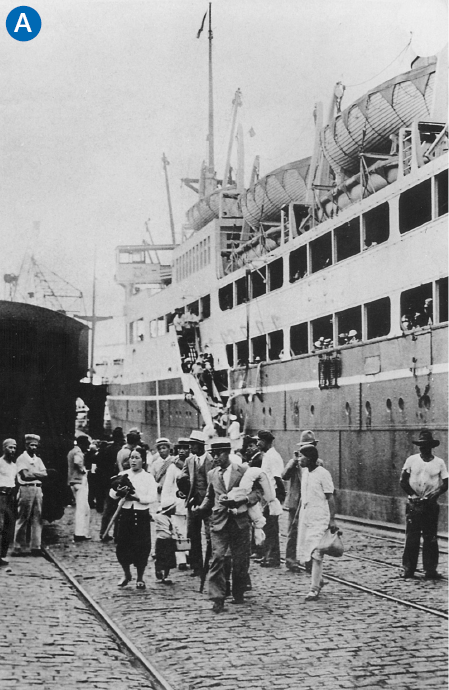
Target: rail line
(158,680)
(378,561)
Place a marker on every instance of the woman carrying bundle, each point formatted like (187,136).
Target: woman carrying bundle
(139,489)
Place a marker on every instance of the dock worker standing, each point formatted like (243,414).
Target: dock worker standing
(77,480)
(30,473)
(229,526)
(273,466)
(193,484)
(8,472)
(424,478)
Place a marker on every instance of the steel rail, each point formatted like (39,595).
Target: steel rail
(156,676)
(375,592)
(377,561)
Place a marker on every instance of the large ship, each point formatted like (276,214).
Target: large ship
(318,297)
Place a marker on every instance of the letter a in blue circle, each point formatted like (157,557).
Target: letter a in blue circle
(23,23)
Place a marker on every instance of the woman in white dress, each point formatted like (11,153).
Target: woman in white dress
(316,515)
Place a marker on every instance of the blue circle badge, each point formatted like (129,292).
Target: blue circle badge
(23,23)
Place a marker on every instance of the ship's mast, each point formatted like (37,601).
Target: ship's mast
(165,162)
(210,174)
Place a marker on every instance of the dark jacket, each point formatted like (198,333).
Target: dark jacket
(292,473)
(217,488)
(187,479)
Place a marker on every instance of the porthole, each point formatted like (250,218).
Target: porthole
(401,404)
(368,407)
(269,411)
(348,409)
(388,404)
(312,409)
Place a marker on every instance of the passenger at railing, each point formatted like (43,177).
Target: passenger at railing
(207,380)
(406,322)
(420,319)
(319,344)
(353,337)
(179,321)
(343,338)
(197,368)
(428,311)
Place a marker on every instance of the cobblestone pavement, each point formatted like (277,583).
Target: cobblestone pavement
(276,641)
(49,638)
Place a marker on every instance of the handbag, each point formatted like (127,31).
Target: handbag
(182,544)
(331,544)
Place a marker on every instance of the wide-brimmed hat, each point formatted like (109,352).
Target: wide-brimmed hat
(232,417)
(197,437)
(163,442)
(183,442)
(218,444)
(264,435)
(426,439)
(307,438)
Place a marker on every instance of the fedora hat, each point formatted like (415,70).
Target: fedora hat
(265,435)
(183,442)
(426,439)
(197,437)
(307,438)
(218,444)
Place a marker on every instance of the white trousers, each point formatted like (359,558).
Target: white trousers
(82,509)
(179,523)
(29,516)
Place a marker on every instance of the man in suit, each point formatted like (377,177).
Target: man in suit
(229,526)
(192,482)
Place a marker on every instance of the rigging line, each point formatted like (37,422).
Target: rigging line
(349,86)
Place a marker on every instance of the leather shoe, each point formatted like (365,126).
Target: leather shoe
(433,576)
(3,561)
(267,564)
(238,601)
(218,606)
(407,575)
(312,596)
(195,573)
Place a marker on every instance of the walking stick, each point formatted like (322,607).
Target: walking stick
(114,518)
(205,569)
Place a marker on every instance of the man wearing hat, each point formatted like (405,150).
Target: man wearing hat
(424,478)
(273,466)
(234,432)
(229,526)
(171,496)
(161,462)
(30,473)
(77,480)
(193,484)
(292,473)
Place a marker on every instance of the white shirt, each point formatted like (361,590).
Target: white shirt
(145,488)
(200,459)
(425,477)
(272,465)
(227,476)
(8,471)
(31,463)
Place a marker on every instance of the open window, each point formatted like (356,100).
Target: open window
(194,307)
(376,225)
(298,263)
(259,348)
(226,297)
(230,354)
(417,307)
(347,239)
(242,353)
(441,181)
(205,306)
(442,300)
(323,332)
(349,326)
(415,206)
(299,339)
(275,344)
(259,282)
(241,290)
(321,252)
(275,274)
(378,318)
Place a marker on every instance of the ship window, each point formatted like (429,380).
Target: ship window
(415,206)
(378,319)
(299,339)
(275,344)
(259,348)
(321,252)
(161,325)
(298,263)
(376,225)
(323,332)
(416,307)
(347,239)
(259,282)
(153,328)
(442,183)
(230,354)
(442,300)
(205,306)
(168,321)
(275,275)
(241,290)
(225,297)
(349,325)
(242,353)
(136,331)
(194,308)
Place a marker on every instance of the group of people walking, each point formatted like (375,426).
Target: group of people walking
(233,499)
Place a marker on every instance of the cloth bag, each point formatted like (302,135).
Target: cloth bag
(331,544)
(182,544)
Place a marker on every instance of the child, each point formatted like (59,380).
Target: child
(165,553)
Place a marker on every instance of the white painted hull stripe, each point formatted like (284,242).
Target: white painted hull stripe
(442,368)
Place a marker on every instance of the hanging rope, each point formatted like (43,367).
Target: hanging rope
(360,83)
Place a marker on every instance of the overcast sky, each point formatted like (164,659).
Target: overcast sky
(89,106)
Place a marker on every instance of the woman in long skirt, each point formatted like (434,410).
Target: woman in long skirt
(133,531)
(316,515)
